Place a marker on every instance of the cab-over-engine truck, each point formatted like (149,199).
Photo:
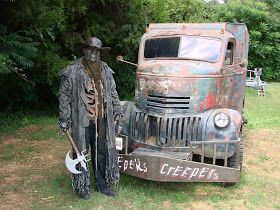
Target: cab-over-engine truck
(185,124)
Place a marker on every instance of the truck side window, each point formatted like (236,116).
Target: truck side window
(229,54)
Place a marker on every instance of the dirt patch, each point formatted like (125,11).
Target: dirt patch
(15,200)
(261,153)
(166,205)
(201,192)
(30,129)
(12,140)
(46,154)
(201,205)
(18,175)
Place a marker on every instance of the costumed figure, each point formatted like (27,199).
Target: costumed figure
(89,107)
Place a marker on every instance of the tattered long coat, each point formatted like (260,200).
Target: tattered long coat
(73,107)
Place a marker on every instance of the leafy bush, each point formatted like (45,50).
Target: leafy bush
(264,26)
(59,25)
(16,51)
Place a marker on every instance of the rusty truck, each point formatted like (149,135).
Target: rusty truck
(186,120)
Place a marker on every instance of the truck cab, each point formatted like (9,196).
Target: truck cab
(186,120)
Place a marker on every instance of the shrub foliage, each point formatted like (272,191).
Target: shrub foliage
(38,38)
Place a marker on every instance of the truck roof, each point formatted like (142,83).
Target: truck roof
(197,26)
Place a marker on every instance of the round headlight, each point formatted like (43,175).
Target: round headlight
(221,120)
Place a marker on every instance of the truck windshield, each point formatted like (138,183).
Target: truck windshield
(186,47)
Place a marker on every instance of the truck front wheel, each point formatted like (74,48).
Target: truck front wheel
(233,163)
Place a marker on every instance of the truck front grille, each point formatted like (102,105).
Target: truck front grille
(167,102)
(169,132)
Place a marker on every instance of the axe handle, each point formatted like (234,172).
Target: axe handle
(72,142)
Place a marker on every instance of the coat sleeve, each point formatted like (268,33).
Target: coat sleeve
(117,108)
(64,98)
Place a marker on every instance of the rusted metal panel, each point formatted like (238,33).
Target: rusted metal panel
(157,168)
(187,26)
(178,98)
(203,82)
(165,164)
(179,133)
(162,131)
(240,33)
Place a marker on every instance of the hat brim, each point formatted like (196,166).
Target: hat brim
(85,45)
(80,46)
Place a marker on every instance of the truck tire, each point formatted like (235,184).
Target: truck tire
(232,163)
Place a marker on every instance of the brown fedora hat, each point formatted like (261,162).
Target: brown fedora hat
(94,43)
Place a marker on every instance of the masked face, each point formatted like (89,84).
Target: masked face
(91,54)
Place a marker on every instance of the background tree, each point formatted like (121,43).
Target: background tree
(262,20)
(55,26)
(16,51)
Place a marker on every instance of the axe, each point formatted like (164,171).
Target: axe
(81,157)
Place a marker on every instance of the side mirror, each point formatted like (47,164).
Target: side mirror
(244,62)
(119,58)
(237,62)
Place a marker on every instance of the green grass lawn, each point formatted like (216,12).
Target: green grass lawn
(263,112)
(35,176)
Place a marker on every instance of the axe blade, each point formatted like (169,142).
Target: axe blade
(71,164)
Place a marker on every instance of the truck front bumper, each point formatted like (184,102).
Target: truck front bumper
(156,168)
(177,165)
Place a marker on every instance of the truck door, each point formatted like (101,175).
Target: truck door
(234,77)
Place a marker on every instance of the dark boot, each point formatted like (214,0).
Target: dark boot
(109,192)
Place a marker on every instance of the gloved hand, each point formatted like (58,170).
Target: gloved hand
(118,117)
(64,125)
